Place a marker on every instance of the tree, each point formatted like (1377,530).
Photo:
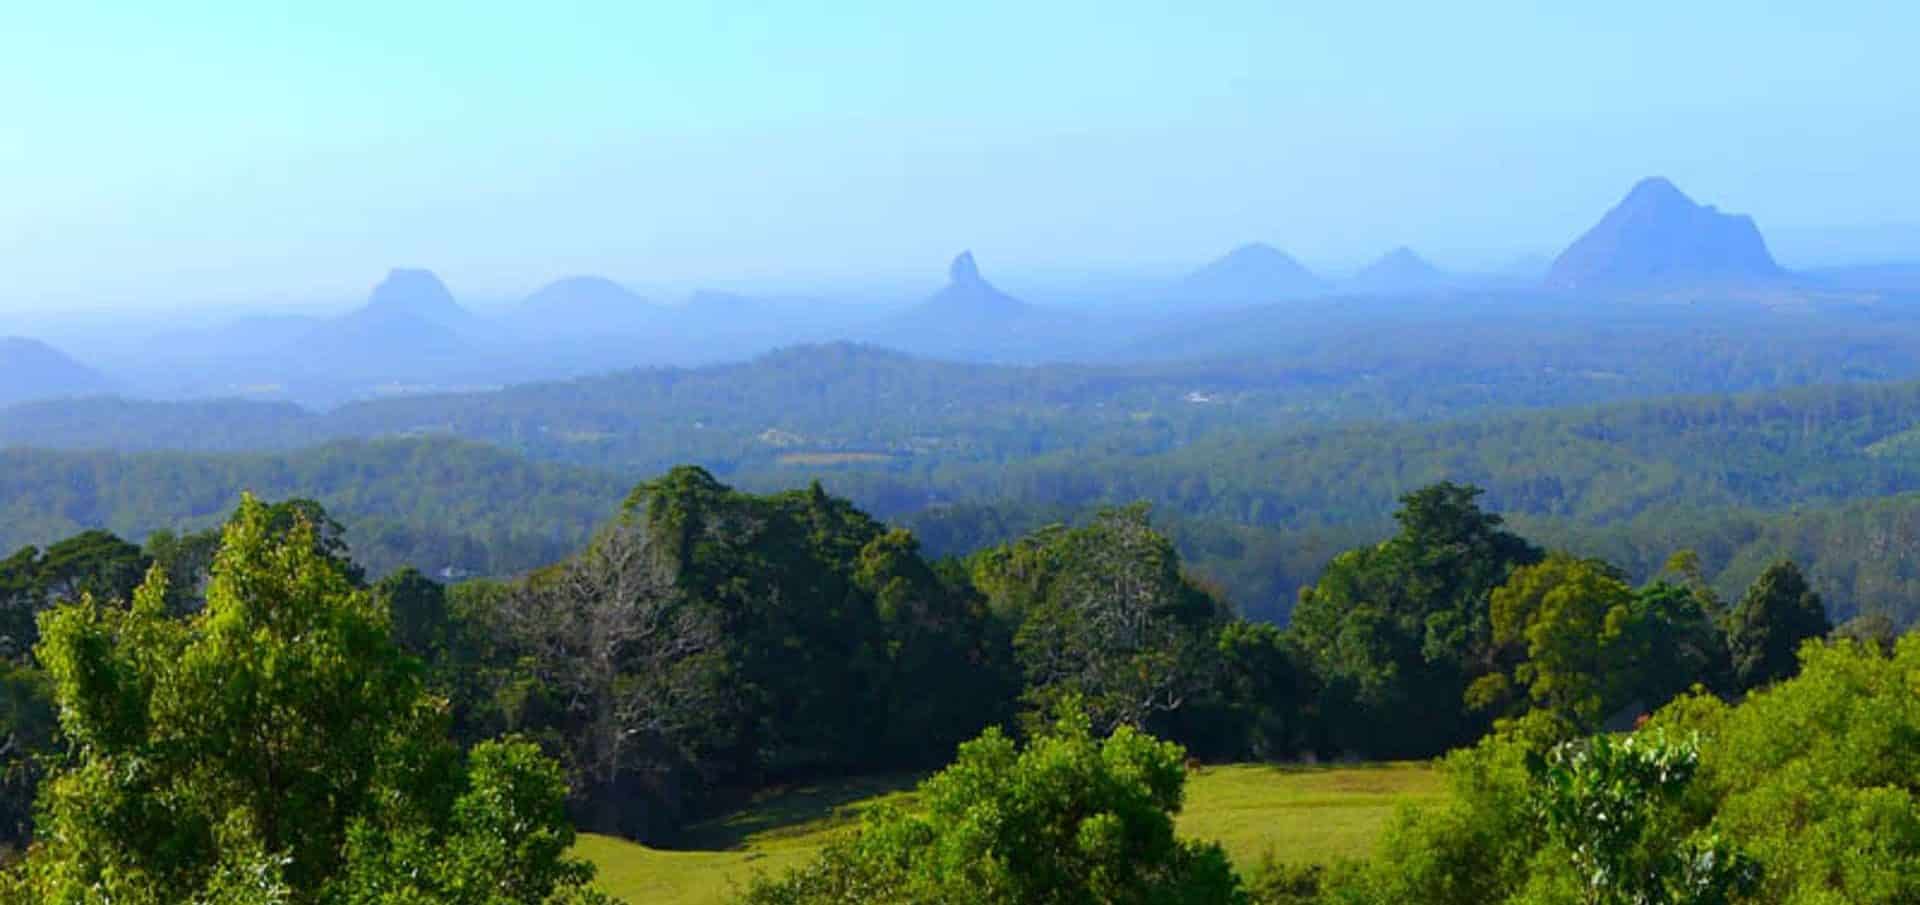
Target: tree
(1602,799)
(1778,612)
(632,673)
(1070,819)
(1106,615)
(1573,624)
(231,756)
(1396,632)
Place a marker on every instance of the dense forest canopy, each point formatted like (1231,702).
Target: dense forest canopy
(708,639)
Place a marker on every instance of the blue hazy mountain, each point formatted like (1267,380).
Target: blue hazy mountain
(31,369)
(410,327)
(970,318)
(1658,238)
(1396,272)
(1250,275)
(587,304)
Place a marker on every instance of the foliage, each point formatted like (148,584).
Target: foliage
(1397,632)
(1069,818)
(1818,776)
(1105,616)
(1765,630)
(1602,802)
(246,753)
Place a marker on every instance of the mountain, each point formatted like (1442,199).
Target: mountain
(31,369)
(1658,238)
(410,328)
(1398,271)
(415,293)
(1250,275)
(971,319)
(969,298)
(587,304)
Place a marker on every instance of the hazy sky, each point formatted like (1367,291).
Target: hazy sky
(168,152)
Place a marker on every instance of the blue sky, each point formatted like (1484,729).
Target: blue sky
(162,154)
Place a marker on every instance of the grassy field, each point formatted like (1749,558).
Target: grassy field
(1301,814)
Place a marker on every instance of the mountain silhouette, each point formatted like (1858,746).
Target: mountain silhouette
(410,326)
(31,369)
(969,301)
(418,293)
(970,318)
(1398,271)
(1250,275)
(587,303)
(1657,237)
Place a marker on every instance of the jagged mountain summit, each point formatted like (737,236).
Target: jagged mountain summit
(1397,271)
(1658,238)
(31,369)
(1250,275)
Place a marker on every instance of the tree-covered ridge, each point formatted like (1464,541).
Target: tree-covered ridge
(427,503)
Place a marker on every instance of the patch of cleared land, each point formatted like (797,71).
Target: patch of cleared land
(1300,814)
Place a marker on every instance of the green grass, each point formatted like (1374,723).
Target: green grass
(1299,814)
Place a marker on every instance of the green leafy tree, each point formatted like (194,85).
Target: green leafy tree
(1574,626)
(1764,633)
(1070,818)
(1606,802)
(231,756)
(1105,615)
(1396,632)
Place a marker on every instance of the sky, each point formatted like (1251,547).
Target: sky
(167,155)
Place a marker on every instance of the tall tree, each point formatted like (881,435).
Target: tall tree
(1777,613)
(1106,615)
(1396,632)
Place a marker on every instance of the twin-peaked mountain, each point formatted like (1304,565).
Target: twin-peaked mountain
(1658,238)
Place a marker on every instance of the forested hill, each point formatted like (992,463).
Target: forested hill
(1822,474)
(426,503)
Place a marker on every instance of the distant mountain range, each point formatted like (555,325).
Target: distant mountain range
(1658,238)
(412,335)
(30,369)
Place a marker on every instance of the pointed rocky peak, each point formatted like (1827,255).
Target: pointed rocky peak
(967,292)
(963,271)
